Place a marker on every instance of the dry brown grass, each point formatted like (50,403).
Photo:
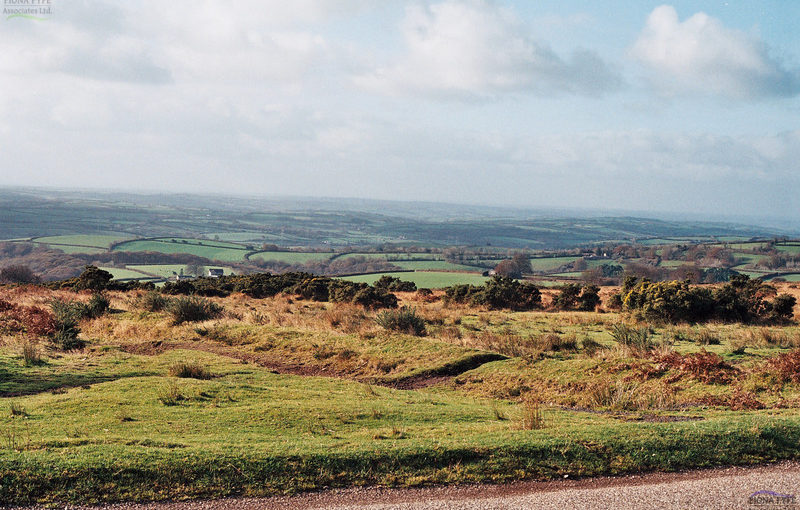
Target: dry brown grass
(532,416)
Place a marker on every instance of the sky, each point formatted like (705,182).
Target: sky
(688,106)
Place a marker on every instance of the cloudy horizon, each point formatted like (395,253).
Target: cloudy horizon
(684,107)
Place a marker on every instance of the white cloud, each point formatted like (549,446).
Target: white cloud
(475,48)
(701,55)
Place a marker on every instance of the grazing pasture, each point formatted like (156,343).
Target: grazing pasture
(213,250)
(291,257)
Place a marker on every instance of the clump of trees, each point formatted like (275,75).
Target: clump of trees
(392,284)
(515,267)
(575,297)
(96,279)
(302,285)
(18,273)
(498,293)
(740,300)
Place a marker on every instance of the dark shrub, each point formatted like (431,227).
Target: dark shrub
(98,305)
(181,287)
(783,308)
(668,301)
(498,293)
(390,283)
(193,309)
(369,297)
(154,302)
(315,289)
(18,274)
(93,278)
(404,320)
(67,317)
(575,297)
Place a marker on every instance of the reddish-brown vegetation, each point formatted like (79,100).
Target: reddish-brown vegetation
(31,320)
(706,367)
(786,366)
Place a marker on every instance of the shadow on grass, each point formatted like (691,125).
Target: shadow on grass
(19,381)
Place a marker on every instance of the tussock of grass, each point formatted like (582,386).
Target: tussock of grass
(193,370)
(31,354)
(403,320)
(193,309)
(532,417)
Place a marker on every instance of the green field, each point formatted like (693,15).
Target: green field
(793,249)
(125,273)
(291,257)
(395,256)
(96,241)
(550,264)
(794,277)
(167,270)
(80,243)
(435,265)
(425,279)
(748,258)
(672,263)
(69,249)
(214,250)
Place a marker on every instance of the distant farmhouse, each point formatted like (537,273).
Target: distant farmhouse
(215,272)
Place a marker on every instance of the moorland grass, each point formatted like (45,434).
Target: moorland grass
(104,424)
(252,432)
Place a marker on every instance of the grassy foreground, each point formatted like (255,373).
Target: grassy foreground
(154,410)
(248,431)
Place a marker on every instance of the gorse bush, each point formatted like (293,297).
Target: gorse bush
(740,300)
(498,293)
(98,305)
(153,301)
(404,320)
(574,297)
(193,309)
(303,285)
(392,284)
(68,315)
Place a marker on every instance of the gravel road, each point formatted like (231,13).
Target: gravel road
(724,488)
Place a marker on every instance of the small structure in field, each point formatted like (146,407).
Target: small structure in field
(214,272)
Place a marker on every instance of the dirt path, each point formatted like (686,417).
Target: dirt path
(428,378)
(723,488)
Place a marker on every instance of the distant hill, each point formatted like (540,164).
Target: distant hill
(288,221)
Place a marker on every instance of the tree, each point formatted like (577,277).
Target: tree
(508,269)
(523,262)
(514,267)
(18,273)
(93,278)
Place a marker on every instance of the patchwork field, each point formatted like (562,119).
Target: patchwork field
(213,250)
(290,257)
